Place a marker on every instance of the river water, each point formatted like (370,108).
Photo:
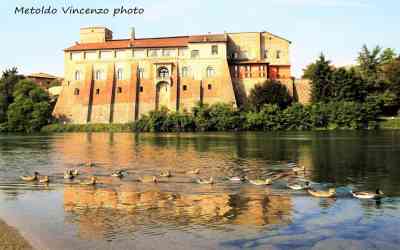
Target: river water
(178,213)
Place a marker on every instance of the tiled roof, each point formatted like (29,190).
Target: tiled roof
(162,42)
(42,75)
(207,38)
(137,43)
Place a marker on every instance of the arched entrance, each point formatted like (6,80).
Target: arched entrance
(162,95)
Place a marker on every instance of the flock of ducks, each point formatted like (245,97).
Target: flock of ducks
(294,171)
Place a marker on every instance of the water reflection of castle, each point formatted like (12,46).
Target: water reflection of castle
(99,209)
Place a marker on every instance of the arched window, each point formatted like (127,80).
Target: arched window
(185,71)
(163,72)
(77,75)
(210,71)
(99,75)
(120,74)
(141,72)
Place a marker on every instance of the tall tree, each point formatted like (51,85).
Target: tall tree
(269,92)
(8,80)
(321,80)
(30,110)
(347,85)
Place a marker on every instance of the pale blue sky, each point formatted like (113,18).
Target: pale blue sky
(337,28)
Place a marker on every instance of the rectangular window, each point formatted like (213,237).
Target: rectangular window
(141,88)
(119,90)
(141,73)
(106,55)
(97,91)
(214,50)
(209,87)
(278,54)
(195,53)
(120,74)
(92,55)
(184,88)
(153,53)
(76,91)
(182,52)
(265,53)
(76,56)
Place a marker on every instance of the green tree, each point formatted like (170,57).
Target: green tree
(321,80)
(269,92)
(387,56)
(347,85)
(30,110)
(309,71)
(8,80)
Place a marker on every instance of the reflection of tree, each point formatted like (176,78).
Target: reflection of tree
(99,210)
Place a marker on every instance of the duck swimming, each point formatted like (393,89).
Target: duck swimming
(75,172)
(68,174)
(33,177)
(298,186)
(260,182)
(368,195)
(195,171)
(45,179)
(209,181)
(91,182)
(148,179)
(166,173)
(237,178)
(118,173)
(323,194)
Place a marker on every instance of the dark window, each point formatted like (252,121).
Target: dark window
(97,91)
(119,90)
(209,86)
(214,50)
(76,91)
(141,88)
(278,54)
(184,87)
(163,72)
(194,53)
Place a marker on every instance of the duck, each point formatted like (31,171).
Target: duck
(33,177)
(68,174)
(368,195)
(209,181)
(118,173)
(45,179)
(148,179)
(237,178)
(260,182)
(75,172)
(91,182)
(90,164)
(297,186)
(166,173)
(195,171)
(323,194)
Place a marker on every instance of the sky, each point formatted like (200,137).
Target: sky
(337,28)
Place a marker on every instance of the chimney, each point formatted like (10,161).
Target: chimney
(132,33)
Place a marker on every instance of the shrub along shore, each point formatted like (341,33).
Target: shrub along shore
(223,117)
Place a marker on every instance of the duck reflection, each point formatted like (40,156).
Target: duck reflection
(99,209)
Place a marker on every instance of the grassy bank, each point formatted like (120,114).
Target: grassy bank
(60,128)
(389,123)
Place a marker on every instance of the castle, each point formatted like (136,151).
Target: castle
(110,80)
